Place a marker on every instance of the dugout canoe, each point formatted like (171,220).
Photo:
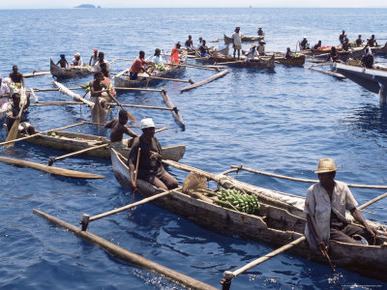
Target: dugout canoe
(71,142)
(297,60)
(245,38)
(72,71)
(122,79)
(279,220)
(255,63)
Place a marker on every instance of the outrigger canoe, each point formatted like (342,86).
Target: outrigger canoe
(279,220)
(245,38)
(68,141)
(122,79)
(70,72)
(297,60)
(256,62)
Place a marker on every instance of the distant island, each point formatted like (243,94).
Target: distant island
(87,6)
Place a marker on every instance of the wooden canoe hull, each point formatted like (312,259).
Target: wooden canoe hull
(245,38)
(70,72)
(122,79)
(293,61)
(67,141)
(256,63)
(273,224)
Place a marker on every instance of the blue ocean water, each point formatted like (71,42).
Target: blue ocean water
(281,122)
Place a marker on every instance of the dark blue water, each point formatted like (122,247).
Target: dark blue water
(281,121)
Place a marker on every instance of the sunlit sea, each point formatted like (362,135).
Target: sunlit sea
(279,121)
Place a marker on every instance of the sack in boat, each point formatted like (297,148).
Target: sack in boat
(194,181)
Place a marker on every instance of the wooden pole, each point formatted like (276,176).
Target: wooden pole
(142,107)
(52,170)
(198,67)
(170,79)
(130,116)
(372,201)
(304,180)
(175,112)
(40,104)
(136,89)
(54,159)
(14,130)
(129,206)
(337,75)
(36,73)
(228,275)
(37,134)
(210,79)
(52,89)
(127,256)
(136,173)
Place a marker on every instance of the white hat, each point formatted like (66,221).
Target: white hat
(304,36)
(147,123)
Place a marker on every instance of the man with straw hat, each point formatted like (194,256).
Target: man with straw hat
(150,167)
(325,206)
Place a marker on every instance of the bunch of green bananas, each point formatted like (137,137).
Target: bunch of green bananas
(234,199)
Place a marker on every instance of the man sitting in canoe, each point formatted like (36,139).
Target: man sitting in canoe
(261,48)
(150,168)
(325,206)
(317,45)
(189,43)
(203,49)
(158,61)
(251,53)
(138,66)
(359,41)
(372,41)
(77,60)
(98,90)
(102,65)
(63,61)
(304,44)
(119,129)
(260,31)
(16,77)
(13,111)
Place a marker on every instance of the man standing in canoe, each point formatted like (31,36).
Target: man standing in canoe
(118,127)
(325,206)
(94,57)
(138,66)
(150,168)
(237,42)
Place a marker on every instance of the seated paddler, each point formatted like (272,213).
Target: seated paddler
(118,126)
(325,206)
(150,167)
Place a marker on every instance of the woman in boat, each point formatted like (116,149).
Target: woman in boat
(325,206)
(175,54)
(150,168)
(119,129)
(237,41)
(63,61)
(138,66)
(77,60)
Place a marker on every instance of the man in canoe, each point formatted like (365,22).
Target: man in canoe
(237,42)
(157,60)
(94,57)
(77,60)
(138,66)
(372,41)
(189,43)
(359,41)
(304,44)
(317,45)
(63,61)
(260,32)
(325,206)
(119,129)
(342,37)
(204,51)
(98,89)
(16,77)
(261,48)
(251,53)
(13,111)
(4,88)
(368,59)
(150,167)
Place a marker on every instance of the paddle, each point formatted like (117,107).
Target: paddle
(130,116)
(12,133)
(136,174)
(372,201)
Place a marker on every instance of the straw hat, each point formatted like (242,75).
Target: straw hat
(77,54)
(253,45)
(262,42)
(326,165)
(147,123)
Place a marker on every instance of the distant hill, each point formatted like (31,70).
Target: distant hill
(87,6)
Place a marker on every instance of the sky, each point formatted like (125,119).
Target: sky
(57,4)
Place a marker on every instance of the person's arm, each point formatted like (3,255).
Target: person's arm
(359,217)
(130,132)
(109,124)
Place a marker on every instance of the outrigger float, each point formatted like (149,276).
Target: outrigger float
(277,219)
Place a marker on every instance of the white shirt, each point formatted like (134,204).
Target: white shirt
(4,89)
(319,206)
(157,59)
(237,39)
(76,62)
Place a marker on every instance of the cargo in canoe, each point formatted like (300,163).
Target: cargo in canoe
(71,142)
(257,62)
(278,221)
(245,38)
(122,79)
(70,72)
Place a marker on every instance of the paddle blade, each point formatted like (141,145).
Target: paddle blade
(12,133)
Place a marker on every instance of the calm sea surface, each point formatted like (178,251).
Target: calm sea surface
(281,122)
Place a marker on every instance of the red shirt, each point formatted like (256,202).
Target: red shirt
(175,55)
(137,65)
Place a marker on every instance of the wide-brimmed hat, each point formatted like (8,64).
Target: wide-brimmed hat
(262,42)
(326,165)
(253,45)
(147,123)
(77,54)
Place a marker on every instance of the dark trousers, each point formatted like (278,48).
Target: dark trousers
(344,232)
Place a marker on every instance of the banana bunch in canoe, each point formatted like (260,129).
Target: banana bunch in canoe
(234,199)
